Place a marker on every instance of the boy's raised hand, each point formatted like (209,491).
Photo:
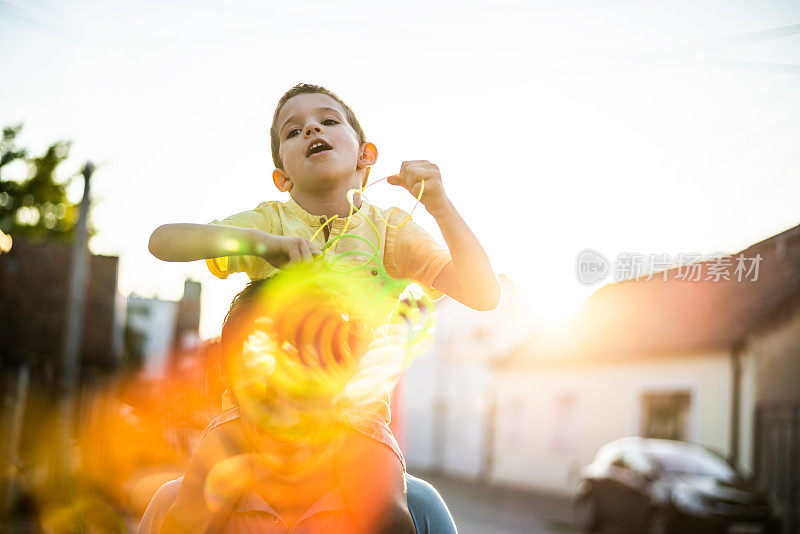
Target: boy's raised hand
(469,278)
(280,250)
(413,173)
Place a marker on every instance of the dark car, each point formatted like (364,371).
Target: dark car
(662,486)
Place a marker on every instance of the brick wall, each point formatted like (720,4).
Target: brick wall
(34,281)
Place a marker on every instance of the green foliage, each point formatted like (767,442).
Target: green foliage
(35,206)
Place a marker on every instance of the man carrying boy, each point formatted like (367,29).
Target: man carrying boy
(320,154)
(306,469)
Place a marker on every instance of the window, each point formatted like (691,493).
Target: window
(665,415)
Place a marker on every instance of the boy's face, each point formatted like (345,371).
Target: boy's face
(319,149)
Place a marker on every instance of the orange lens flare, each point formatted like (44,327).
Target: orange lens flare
(319,352)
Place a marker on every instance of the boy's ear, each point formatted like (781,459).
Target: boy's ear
(281,180)
(368,155)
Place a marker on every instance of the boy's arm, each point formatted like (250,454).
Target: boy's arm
(189,242)
(469,278)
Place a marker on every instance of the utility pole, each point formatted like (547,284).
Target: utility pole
(73,333)
(17,416)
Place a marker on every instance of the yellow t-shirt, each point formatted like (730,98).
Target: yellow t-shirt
(407,252)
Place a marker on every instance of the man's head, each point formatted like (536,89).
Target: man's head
(296,338)
(317,143)
(308,344)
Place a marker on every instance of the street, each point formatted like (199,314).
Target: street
(479,508)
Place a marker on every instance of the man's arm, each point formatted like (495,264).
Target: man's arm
(372,483)
(189,242)
(469,278)
(221,462)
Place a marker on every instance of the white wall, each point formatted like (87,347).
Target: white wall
(608,400)
(467,394)
(419,405)
(158,326)
(446,405)
(447,392)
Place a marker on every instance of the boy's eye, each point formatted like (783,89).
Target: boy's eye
(292,133)
(329,122)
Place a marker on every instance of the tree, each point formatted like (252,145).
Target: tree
(35,207)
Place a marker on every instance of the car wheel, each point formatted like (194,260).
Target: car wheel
(659,522)
(586,516)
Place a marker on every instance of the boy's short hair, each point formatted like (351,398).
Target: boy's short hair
(299,89)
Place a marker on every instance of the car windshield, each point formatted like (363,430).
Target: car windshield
(694,462)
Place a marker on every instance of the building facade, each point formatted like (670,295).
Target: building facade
(712,361)
(157,329)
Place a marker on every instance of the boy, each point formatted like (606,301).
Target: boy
(320,153)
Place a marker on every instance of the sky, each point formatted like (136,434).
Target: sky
(653,127)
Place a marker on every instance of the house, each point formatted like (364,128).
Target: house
(711,358)
(34,278)
(34,288)
(156,329)
(447,394)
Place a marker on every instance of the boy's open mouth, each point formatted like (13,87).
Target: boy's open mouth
(316,147)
